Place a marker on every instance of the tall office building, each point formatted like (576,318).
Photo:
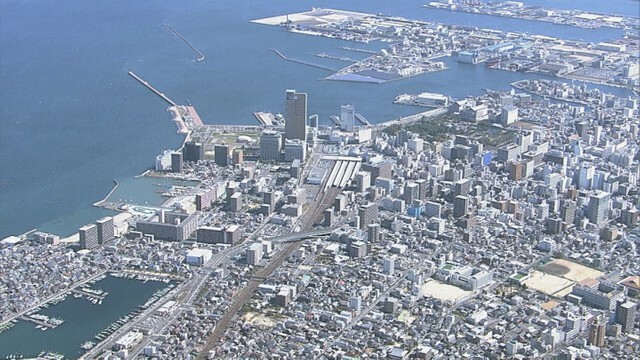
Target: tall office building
(388,265)
(585,177)
(568,212)
(626,315)
(88,236)
(373,233)
(176,162)
(597,332)
(598,208)
(347,117)
(368,214)
(295,115)
(105,229)
(270,145)
(363,180)
(254,254)
(411,192)
(193,151)
(269,198)
(237,156)
(235,202)
(221,155)
(422,188)
(460,206)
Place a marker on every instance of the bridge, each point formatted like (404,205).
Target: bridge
(293,237)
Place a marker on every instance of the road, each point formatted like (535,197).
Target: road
(317,208)
(185,294)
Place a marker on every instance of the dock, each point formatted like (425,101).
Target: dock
(37,322)
(89,295)
(154,90)
(195,118)
(266,119)
(301,61)
(198,52)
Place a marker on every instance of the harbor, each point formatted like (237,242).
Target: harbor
(70,325)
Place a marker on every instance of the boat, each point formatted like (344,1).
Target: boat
(87,345)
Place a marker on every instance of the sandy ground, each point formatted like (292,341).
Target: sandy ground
(550,304)
(258,319)
(445,292)
(548,284)
(577,272)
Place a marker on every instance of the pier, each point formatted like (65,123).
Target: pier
(301,61)
(198,52)
(154,90)
(90,295)
(365,51)
(37,322)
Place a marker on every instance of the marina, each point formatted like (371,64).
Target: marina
(125,294)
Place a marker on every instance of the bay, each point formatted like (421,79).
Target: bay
(71,120)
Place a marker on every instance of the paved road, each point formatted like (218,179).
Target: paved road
(317,208)
(185,294)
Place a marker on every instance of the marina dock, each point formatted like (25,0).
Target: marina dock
(42,320)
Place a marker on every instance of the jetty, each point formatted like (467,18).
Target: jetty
(115,186)
(198,52)
(301,61)
(154,90)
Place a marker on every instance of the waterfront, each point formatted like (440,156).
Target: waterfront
(82,319)
(63,147)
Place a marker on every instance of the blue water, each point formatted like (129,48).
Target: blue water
(71,120)
(83,319)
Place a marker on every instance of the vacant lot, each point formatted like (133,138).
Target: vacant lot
(258,319)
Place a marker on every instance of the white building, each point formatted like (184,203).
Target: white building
(254,254)
(198,256)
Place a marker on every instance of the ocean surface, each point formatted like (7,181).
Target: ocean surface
(72,120)
(83,319)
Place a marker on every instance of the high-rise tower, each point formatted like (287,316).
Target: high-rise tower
(295,115)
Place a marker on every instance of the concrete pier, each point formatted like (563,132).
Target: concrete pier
(198,52)
(301,62)
(154,90)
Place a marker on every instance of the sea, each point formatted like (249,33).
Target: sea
(72,120)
